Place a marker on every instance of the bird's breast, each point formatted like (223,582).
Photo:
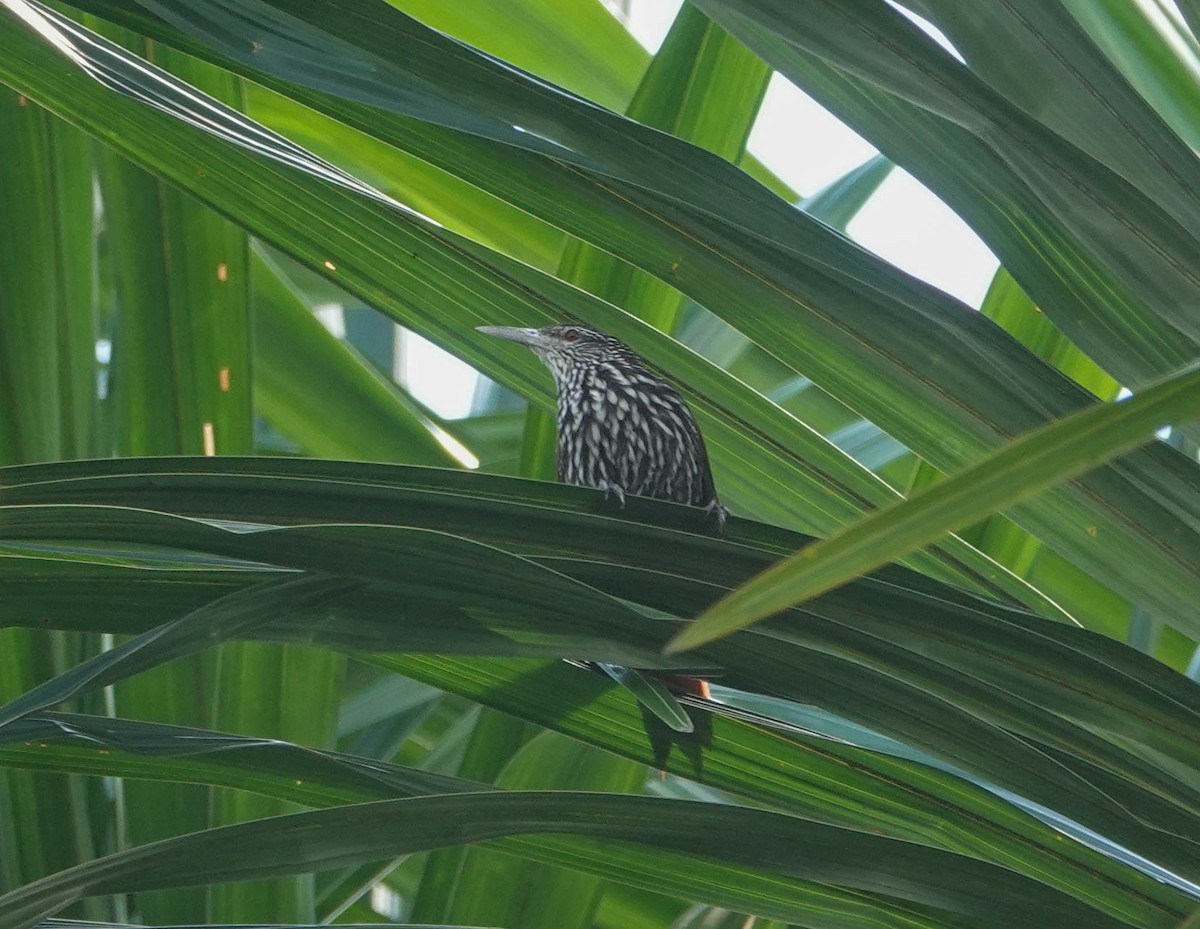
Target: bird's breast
(640,437)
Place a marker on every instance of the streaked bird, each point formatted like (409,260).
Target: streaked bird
(622,428)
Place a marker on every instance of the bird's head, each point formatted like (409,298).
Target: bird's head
(566,346)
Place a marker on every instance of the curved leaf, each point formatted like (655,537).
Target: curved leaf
(946,438)
(896,876)
(830,655)
(1019,470)
(135,749)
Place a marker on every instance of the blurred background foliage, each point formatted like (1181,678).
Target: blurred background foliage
(237,275)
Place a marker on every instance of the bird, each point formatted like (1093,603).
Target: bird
(622,427)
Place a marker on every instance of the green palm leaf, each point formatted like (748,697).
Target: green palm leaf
(333,689)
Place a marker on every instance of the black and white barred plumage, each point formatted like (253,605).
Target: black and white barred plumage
(621,427)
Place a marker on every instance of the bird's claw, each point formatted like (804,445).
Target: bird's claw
(717,511)
(613,490)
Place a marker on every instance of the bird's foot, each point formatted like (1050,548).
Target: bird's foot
(718,512)
(613,490)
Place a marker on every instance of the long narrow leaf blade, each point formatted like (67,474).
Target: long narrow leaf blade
(961,891)
(442,313)
(226,618)
(1020,470)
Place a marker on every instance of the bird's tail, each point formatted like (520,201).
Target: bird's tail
(677,709)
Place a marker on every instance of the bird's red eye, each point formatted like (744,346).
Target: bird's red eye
(571,336)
